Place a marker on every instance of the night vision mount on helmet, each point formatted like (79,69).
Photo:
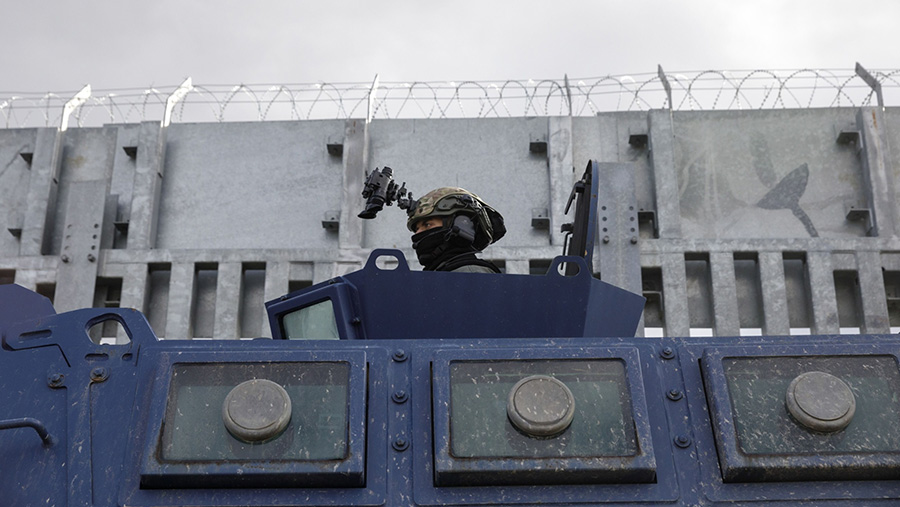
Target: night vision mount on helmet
(473,219)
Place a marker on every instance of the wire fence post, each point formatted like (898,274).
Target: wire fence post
(872,82)
(174,98)
(74,103)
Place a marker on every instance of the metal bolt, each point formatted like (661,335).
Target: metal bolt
(99,374)
(400,356)
(55,379)
(606,239)
(683,441)
(634,240)
(65,258)
(667,353)
(400,444)
(91,257)
(399,396)
(674,394)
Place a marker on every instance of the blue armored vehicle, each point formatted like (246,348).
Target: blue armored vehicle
(389,386)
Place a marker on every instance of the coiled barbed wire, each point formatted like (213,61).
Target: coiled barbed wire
(703,90)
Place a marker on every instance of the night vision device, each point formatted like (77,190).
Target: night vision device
(380,189)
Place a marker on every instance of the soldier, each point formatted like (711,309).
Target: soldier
(450,225)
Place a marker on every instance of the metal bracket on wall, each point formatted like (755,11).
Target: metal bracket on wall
(540,218)
(855,213)
(538,145)
(332,220)
(847,136)
(638,140)
(335,149)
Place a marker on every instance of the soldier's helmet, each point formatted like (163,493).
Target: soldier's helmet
(452,201)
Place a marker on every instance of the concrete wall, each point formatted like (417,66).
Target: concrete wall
(730,222)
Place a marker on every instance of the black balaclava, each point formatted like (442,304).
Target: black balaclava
(440,249)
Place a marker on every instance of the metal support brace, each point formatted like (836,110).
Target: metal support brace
(665,82)
(173,99)
(774,294)
(277,284)
(871,287)
(877,172)
(134,287)
(665,176)
(620,253)
(148,174)
(824,299)
(560,169)
(872,82)
(74,103)
(181,298)
(675,300)
(83,226)
(40,203)
(44,183)
(228,300)
(350,231)
(724,296)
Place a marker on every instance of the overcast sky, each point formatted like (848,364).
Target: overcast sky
(63,45)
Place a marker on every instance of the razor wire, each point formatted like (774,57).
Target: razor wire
(690,91)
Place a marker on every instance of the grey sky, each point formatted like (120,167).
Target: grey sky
(59,46)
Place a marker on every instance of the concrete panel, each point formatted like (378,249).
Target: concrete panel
(766,174)
(249,185)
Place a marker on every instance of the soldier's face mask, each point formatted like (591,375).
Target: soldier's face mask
(428,244)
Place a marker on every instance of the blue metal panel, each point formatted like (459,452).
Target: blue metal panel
(376,303)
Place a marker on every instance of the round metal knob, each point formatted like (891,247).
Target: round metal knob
(820,401)
(256,410)
(540,406)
